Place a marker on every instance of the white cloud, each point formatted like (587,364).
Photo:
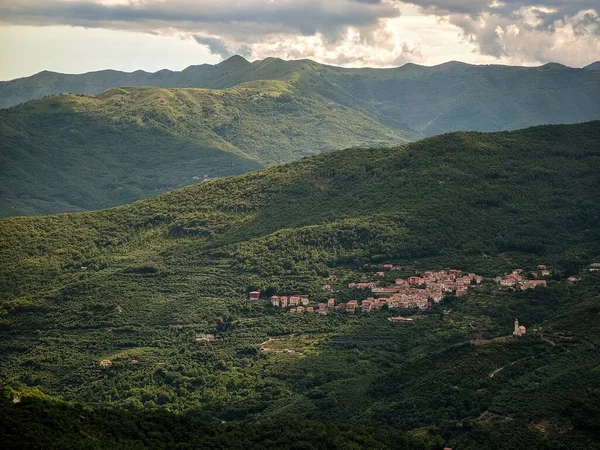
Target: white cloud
(377,33)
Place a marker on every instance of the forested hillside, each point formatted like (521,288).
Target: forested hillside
(73,153)
(162,270)
(418,100)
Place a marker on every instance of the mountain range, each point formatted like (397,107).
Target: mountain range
(133,135)
(160,271)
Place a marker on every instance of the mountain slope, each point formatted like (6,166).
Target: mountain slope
(163,269)
(422,100)
(593,66)
(256,114)
(70,152)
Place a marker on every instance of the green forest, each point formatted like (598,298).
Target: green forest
(71,152)
(163,270)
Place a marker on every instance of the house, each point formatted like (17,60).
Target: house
(478,279)
(514,276)
(310,309)
(415,281)
(385,290)
(572,280)
(437,295)
(205,337)
(304,301)
(300,309)
(83,268)
(331,303)
(105,363)
(542,267)
(380,274)
(351,285)
(388,266)
(275,301)
(284,301)
(545,273)
(518,271)
(134,361)
(292,310)
(401,282)
(594,267)
(294,300)
(378,304)
(508,282)
(326,287)
(351,306)
(520,330)
(322,306)
(254,295)
(366,305)
(530,284)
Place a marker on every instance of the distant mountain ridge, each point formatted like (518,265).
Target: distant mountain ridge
(138,134)
(418,99)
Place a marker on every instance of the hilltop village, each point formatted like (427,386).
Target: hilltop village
(420,291)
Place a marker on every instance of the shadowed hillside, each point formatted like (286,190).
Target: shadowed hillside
(160,271)
(73,153)
(128,143)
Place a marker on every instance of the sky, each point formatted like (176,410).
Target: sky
(76,36)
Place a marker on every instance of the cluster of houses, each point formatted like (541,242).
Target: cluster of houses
(517,278)
(425,288)
(419,291)
(295,303)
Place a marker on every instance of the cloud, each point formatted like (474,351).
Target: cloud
(305,17)
(526,31)
(348,32)
(226,27)
(219,47)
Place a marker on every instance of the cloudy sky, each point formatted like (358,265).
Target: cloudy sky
(76,36)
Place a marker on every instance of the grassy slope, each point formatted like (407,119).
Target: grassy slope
(71,152)
(165,268)
(414,99)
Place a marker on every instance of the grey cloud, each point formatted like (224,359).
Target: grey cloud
(219,47)
(303,16)
(474,7)
(216,46)
(509,8)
